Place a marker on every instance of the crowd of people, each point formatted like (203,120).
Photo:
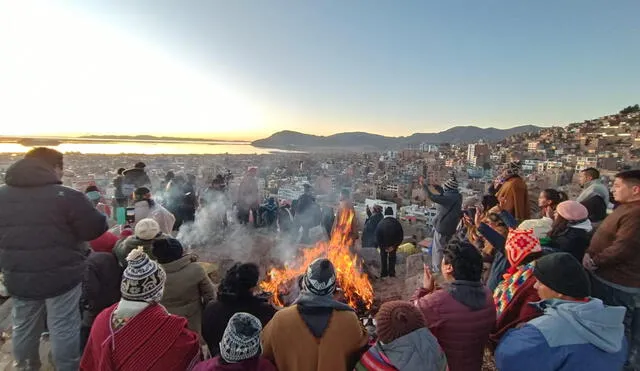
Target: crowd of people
(557,292)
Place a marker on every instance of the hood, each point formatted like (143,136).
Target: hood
(418,350)
(470,294)
(584,225)
(179,264)
(30,172)
(592,321)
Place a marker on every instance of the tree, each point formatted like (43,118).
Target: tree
(630,109)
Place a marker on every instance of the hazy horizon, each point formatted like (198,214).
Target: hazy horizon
(244,70)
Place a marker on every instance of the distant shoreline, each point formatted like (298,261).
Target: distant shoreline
(56,141)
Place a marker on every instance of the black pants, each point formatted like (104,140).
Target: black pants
(388,262)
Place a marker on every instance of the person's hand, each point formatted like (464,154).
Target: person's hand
(428,281)
(467,220)
(479,214)
(588,263)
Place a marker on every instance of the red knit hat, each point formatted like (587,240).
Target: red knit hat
(520,244)
(396,319)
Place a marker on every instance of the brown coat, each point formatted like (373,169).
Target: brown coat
(290,344)
(516,195)
(615,246)
(187,290)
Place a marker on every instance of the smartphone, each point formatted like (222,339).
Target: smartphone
(471,213)
(130,215)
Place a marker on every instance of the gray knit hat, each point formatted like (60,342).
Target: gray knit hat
(451,183)
(143,279)
(320,278)
(241,338)
(513,168)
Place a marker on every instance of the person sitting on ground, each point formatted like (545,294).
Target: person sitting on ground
(389,236)
(145,232)
(100,289)
(575,332)
(146,207)
(594,196)
(404,342)
(463,306)
(316,332)
(137,333)
(515,292)
(235,294)
(188,288)
(240,348)
(571,229)
(369,230)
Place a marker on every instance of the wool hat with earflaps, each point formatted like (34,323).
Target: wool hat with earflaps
(451,183)
(520,244)
(143,279)
(513,168)
(320,278)
(396,319)
(241,338)
(562,273)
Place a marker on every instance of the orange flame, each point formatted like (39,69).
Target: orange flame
(355,285)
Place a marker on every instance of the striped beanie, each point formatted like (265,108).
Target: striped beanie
(143,279)
(320,278)
(241,338)
(520,244)
(513,168)
(451,183)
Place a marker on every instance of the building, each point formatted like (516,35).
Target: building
(478,154)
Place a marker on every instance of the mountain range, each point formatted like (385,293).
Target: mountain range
(359,141)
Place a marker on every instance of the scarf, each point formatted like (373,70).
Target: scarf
(307,299)
(508,288)
(374,360)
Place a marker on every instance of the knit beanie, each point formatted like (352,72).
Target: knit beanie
(541,227)
(143,279)
(572,211)
(396,319)
(562,273)
(520,244)
(513,168)
(147,229)
(451,183)
(320,278)
(167,250)
(241,338)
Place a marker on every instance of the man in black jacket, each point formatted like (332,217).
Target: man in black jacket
(43,229)
(389,235)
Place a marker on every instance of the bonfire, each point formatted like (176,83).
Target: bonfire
(354,284)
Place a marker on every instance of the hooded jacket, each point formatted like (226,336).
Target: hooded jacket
(369,230)
(574,240)
(389,232)
(448,210)
(415,351)
(146,209)
(43,229)
(569,336)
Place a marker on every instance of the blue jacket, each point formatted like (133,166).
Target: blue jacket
(569,336)
(448,210)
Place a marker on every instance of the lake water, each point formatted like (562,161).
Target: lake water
(114,148)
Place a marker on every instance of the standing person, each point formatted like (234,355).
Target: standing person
(285,219)
(369,230)
(328,218)
(389,236)
(316,332)
(306,213)
(515,193)
(448,214)
(594,195)
(216,200)
(43,229)
(235,294)
(404,342)
(575,332)
(240,347)
(248,197)
(188,288)
(147,207)
(119,196)
(137,333)
(135,178)
(462,314)
(107,240)
(571,229)
(613,259)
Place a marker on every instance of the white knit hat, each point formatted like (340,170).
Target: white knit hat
(241,338)
(147,229)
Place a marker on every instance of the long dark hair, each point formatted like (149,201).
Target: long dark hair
(559,225)
(555,197)
(239,282)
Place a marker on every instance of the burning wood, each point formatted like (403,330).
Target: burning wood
(354,284)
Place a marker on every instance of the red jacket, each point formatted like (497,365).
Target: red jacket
(256,364)
(462,332)
(153,340)
(104,243)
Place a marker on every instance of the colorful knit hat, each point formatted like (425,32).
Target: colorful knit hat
(513,168)
(396,319)
(572,211)
(540,227)
(143,279)
(520,244)
(320,278)
(451,183)
(241,338)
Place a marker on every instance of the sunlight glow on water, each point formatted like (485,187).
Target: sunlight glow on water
(145,148)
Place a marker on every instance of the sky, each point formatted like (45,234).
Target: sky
(244,69)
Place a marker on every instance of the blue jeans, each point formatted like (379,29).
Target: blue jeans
(628,297)
(63,319)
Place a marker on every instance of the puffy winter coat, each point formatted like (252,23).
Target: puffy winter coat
(43,226)
(369,238)
(448,211)
(460,316)
(389,232)
(574,240)
(101,285)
